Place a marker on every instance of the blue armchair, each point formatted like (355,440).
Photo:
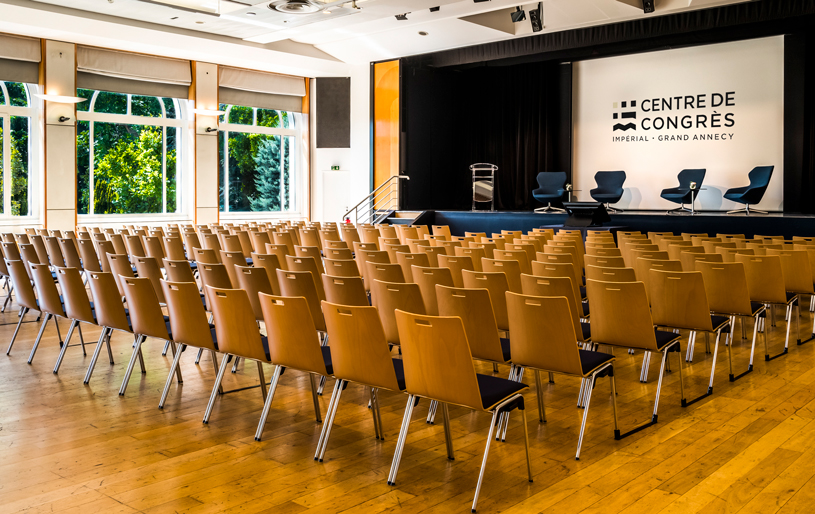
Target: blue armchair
(551,190)
(684,194)
(750,195)
(609,188)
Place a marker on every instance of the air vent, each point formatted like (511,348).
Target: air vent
(295,6)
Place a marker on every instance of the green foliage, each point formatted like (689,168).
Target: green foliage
(267,176)
(20,130)
(127,177)
(17,94)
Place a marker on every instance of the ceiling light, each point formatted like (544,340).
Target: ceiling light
(251,14)
(422,33)
(518,15)
(435,9)
(199,22)
(295,6)
(60,99)
(402,17)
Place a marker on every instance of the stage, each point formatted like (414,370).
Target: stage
(773,224)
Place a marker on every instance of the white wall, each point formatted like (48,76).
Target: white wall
(332,192)
(753,71)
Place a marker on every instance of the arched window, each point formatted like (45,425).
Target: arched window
(258,159)
(16,140)
(128,153)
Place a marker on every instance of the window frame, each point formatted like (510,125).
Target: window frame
(34,113)
(297,197)
(182,122)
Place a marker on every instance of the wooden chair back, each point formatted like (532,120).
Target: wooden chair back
(302,284)
(307,264)
(497,285)
(345,290)
(46,290)
(611,274)
(556,286)
(456,264)
(475,254)
(765,278)
(689,259)
(678,300)
(148,267)
(235,326)
(427,278)
(726,287)
(75,295)
(146,316)
(511,268)
(474,307)
(408,260)
(388,297)
(620,315)
(386,272)
(107,301)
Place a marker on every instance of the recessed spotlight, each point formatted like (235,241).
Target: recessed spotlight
(402,17)
(251,14)
(422,33)
(326,12)
(174,18)
(199,22)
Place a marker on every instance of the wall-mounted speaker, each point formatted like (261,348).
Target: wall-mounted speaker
(536,18)
(648,6)
(333,110)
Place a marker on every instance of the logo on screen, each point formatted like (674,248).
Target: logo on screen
(621,114)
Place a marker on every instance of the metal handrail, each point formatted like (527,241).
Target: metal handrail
(376,199)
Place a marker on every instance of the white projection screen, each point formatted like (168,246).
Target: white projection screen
(718,107)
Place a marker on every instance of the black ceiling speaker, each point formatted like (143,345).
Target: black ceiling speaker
(536,18)
(518,15)
(648,6)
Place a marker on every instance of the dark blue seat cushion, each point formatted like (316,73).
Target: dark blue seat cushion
(327,359)
(586,310)
(664,338)
(399,369)
(589,361)
(586,329)
(582,292)
(505,349)
(496,389)
(718,321)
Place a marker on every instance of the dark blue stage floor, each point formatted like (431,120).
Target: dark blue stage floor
(773,224)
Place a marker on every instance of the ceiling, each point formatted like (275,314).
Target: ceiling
(244,30)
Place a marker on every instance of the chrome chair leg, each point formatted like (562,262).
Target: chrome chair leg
(235,364)
(519,376)
(39,337)
(329,418)
(177,351)
(164,351)
(589,387)
(176,357)
(107,344)
(262,378)
(74,324)
(400,443)
(551,378)
(132,363)
(95,355)
(541,407)
(216,388)
(214,357)
(448,435)
(267,405)
(484,461)
(431,412)
(495,367)
(314,397)
(321,386)
(81,338)
(21,314)
(646,363)
(198,357)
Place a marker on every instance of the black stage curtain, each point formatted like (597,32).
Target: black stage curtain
(516,117)
(801,196)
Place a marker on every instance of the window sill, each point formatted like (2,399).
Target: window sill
(257,216)
(118,220)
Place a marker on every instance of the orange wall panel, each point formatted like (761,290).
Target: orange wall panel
(386,121)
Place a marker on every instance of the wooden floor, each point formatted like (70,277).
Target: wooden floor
(67,447)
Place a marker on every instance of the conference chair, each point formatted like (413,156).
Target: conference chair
(728,254)
(684,193)
(728,295)
(39,246)
(77,309)
(622,317)
(237,334)
(173,248)
(433,253)
(146,320)
(751,195)
(442,230)
(488,248)
(388,297)
(360,354)
(179,271)
(475,254)
(679,301)
(497,285)
(610,274)
(642,268)
(603,261)
(519,256)
(345,291)
(48,302)
(303,284)
(408,260)
(337,253)
(110,315)
(765,283)
(55,256)
(377,256)
(427,278)
(510,268)
(456,265)
(393,249)
(689,259)
(307,264)
(87,251)
(797,281)
(450,246)
(153,247)
(292,343)
(149,268)
(609,188)
(549,269)
(551,189)
(529,317)
(341,268)
(386,272)
(560,286)
(120,267)
(446,373)
(314,252)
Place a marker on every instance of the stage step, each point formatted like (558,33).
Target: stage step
(406,214)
